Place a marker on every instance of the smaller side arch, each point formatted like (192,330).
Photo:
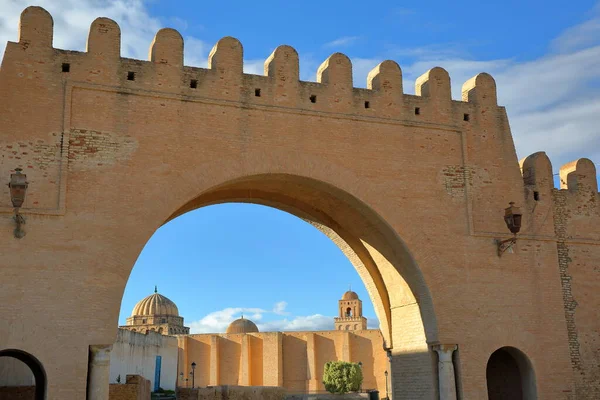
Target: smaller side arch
(34,365)
(510,375)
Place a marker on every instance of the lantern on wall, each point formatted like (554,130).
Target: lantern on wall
(512,218)
(18,187)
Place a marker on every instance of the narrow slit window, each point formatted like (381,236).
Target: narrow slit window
(536,196)
(417,111)
(313,98)
(367,104)
(66,67)
(466,117)
(257,92)
(131,76)
(194,83)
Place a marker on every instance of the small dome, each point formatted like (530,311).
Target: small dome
(242,326)
(350,295)
(155,304)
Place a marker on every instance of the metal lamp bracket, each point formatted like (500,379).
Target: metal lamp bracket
(506,244)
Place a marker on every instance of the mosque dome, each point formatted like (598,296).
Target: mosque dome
(242,325)
(350,295)
(155,304)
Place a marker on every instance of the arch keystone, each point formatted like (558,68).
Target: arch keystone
(227,55)
(387,77)
(36,27)
(336,70)
(283,64)
(480,89)
(167,47)
(104,38)
(435,84)
(579,175)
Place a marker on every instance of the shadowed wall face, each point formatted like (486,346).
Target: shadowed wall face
(503,377)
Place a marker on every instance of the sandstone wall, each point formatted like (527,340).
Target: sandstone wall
(134,388)
(135,353)
(303,354)
(229,392)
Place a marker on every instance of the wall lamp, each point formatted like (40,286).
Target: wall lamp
(18,187)
(512,217)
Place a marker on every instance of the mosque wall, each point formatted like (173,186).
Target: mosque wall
(135,354)
(294,360)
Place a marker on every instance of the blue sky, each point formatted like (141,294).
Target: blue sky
(544,55)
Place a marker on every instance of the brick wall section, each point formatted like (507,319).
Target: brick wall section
(227,392)
(560,224)
(88,149)
(40,159)
(17,392)
(579,279)
(455,177)
(134,388)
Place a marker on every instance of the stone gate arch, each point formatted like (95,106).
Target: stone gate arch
(383,261)
(412,187)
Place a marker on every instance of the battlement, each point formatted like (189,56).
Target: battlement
(224,79)
(575,206)
(476,129)
(578,177)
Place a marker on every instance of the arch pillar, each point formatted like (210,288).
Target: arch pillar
(98,372)
(446,375)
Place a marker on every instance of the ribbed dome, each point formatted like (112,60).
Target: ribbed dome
(155,304)
(242,326)
(350,295)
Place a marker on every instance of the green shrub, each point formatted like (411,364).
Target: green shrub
(342,377)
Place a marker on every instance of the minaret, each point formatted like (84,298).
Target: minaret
(350,313)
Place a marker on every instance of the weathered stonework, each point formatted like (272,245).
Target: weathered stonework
(383,181)
(89,149)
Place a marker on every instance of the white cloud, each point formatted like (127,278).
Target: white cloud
(195,52)
(343,41)
(316,322)
(72,20)
(219,320)
(280,307)
(256,67)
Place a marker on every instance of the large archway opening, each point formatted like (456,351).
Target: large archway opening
(510,376)
(21,376)
(394,283)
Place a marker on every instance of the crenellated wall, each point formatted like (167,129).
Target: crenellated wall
(292,360)
(412,188)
